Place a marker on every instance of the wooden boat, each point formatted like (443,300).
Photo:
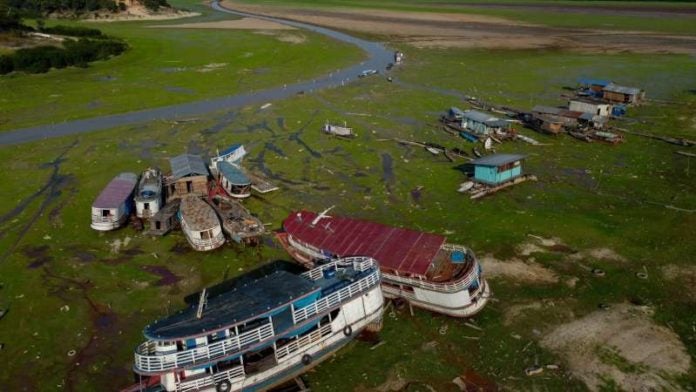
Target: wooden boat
(419,267)
(527,139)
(477,152)
(465,186)
(608,137)
(580,136)
(260,331)
(200,224)
(114,204)
(148,198)
(237,221)
(336,130)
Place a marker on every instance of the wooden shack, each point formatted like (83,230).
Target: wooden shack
(497,169)
(189,177)
(622,94)
(165,220)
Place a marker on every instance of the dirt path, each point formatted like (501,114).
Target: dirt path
(475,31)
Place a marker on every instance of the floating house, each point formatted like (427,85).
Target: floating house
(233,154)
(261,332)
(189,177)
(591,107)
(233,180)
(419,267)
(148,198)
(482,123)
(200,224)
(114,204)
(622,94)
(165,220)
(498,168)
(546,123)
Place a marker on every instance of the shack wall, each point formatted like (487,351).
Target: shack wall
(195,185)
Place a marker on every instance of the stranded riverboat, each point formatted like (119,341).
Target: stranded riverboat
(261,333)
(148,199)
(200,224)
(114,204)
(419,267)
(237,221)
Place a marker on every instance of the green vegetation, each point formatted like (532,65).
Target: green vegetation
(589,196)
(167,66)
(44,7)
(568,18)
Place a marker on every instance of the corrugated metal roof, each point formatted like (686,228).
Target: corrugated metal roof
(402,250)
(546,109)
(475,115)
(188,165)
(233,174)
(497,159)
(117,191)
(498,123)
(247,300)
(615,88)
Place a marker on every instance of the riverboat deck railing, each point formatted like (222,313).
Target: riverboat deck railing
(360,263)
(326,303)
(199,383)
(148,361)
(104,219)
(297,345)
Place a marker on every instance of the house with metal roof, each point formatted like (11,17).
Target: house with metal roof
(622,94)
(189,177)
(233,180)
(590,106)
(498,168)
(482,123)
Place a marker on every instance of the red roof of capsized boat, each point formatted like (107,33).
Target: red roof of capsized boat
(402,250)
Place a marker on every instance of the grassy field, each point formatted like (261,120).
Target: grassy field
(674,24)
(589,197)
(167,66)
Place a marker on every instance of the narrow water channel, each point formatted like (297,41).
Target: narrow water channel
(378,58)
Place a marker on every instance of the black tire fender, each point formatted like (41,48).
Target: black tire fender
(223,386)
(347,330)
(307,359)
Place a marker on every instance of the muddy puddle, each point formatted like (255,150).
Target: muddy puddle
(223,122)
(387,168)
(262,126)
(38,255)
(416,194)
(167,277)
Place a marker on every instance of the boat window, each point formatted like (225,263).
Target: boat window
(147,206)
(205,234)
(189,186)
(105,212)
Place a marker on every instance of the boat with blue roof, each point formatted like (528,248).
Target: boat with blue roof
(262,331)
(148,198)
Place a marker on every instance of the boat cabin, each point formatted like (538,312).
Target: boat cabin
(200,224)
(622,94)
(189,177)
(115,203)
(498,168)
(148,198)
(233,180)
(232,154)
(592,87)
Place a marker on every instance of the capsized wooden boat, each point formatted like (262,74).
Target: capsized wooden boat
(465,186)
(237,221)
(343,131)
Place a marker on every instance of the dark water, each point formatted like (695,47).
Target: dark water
(378,58)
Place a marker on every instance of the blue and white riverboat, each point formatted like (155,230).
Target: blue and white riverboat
(262,333)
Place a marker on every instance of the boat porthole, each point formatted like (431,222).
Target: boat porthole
(223,386)
(306,359)
(347,330)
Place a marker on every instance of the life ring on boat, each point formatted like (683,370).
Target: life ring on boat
(307,359)
(223,386)
(347,330)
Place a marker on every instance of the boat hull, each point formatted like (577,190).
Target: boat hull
(468,310)
(108,225)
